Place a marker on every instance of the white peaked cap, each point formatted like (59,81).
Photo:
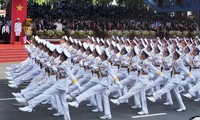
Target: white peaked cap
(184,39)
(117,38)
(102,40)
(59,50)
(113,37)
(79,42)
(89,37)
(122,39)
(135,48)
(136,38)
(195,43)
(170,40)
(70,38)
(146,41)
(107,41)
(91,47)
(177,51)
(93,40)
(66,38)
(98,40)
(143,43)
(159,47)
(159,42)
(44,42)
(128,41)
(151,44)
(191,40)
(176,41)
(169,49)
(177,38)
(190,47)
(135,42)
(107,53)
(98,50)
(151,41)
(197,38)
(65,51)
(85,45)
(76,41)
(37,38)
(126,48)
(52,47)
(145,51)
(39,41)
(118,47)
(48,44)
(114,44)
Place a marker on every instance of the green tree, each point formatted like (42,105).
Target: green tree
(103,2)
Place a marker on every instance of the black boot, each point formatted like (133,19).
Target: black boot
(17,38)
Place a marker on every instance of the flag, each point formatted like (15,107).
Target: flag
(18,10)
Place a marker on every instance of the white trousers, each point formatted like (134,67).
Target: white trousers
(55,89)
(169,86)
(96,90)
(17,33)
(139,87)
(40,89)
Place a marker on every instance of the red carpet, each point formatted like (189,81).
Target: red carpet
(12,53)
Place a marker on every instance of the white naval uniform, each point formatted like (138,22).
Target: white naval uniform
(58,88)
(195,72)
(18,28)
(130,79)
(102,87)
(174,83)
(167,68)
(48,80)
(139,87)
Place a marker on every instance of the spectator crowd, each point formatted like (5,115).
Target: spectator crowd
(78,16)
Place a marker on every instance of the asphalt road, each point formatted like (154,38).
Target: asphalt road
(9,108)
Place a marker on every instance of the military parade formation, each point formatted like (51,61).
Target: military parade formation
(103,70)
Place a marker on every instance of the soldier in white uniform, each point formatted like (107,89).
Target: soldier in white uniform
(103,71)
(63,71)
(174,82)
(132,76)
(140,84)
(18,29)
(194,90)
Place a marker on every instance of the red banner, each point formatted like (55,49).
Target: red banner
(19,10)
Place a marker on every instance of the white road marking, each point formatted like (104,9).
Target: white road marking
(2,99)
(149,115)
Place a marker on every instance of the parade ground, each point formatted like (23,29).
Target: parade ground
(157,111)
